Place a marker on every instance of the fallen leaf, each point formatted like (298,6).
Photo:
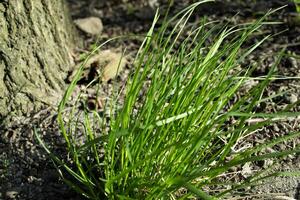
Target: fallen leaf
(107,64)
(115,63)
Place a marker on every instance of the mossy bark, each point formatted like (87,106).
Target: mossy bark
(36,39)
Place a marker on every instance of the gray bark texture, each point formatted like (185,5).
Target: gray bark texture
(36,37)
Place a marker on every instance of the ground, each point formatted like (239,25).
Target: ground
(26,172)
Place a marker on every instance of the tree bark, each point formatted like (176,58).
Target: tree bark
(36,39)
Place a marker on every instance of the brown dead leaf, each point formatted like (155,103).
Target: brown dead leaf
(106,63)
(115,64)
(91,25)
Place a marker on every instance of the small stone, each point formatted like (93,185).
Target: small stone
(246,170)
(283,88)
(90,25)
(268,163)
(248,85)
(153,3)
(293,62)
(276,128)
(11,194)
(292,98)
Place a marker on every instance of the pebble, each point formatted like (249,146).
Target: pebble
(276,128)
(292,98)
(249,84)
(90,25)
(293,62)
(11,194)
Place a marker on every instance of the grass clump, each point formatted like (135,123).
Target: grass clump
(176,132)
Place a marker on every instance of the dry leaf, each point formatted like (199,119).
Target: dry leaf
(115,63)
(107,63)
(91,25)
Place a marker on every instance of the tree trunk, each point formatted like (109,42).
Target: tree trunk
(36,38)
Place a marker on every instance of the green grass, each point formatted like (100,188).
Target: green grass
(297,5)
(177,138)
